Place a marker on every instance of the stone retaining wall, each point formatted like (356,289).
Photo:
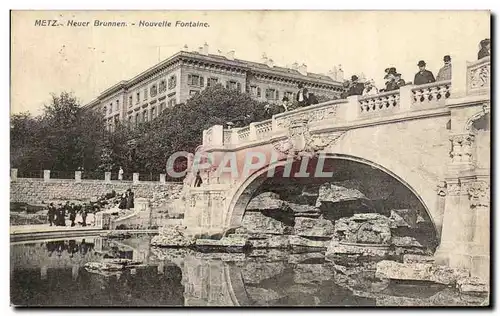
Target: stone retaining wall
(37,191)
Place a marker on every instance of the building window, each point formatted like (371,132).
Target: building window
(118,105)
(259,92)
(105,110)
(163,86)
(153,113)
(137,119)
(233,85)
(195,80)
(110,108)
(129,119)
(212,82)
(153,90)
(171,102)
(138,97)
(277,95)
(162,107)
(255,91)
(172,81)
(130,101)
(271,94)
(145,116)
(146,93)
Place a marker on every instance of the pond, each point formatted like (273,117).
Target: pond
(52,273)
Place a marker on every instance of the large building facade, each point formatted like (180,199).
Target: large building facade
(184,74)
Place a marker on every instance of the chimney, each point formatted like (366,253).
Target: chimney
(205,49)
(270,63)
(230,55)
(263,59)
(362,77)
(185,48)
(340,74)
(295,66)
(303,69)
(333,73)
(200,50)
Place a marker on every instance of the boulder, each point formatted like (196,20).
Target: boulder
(112,264)
(405,242)
(311,227)
(256,222)
(269,255)
(308,257)
(273,241)
(472,285)
(330,193)
(411,258)
(231,243)
(403,218)
(338,250)
(172,237)
(419,272)
(256,272)
(364,228)
(297,241)
(303,209)
(267,201)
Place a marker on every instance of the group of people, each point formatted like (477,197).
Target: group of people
(127,200)
(393,80)
(57,215)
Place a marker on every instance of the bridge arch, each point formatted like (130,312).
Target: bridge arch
(423,189)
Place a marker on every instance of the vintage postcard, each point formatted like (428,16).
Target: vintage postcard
(250,158)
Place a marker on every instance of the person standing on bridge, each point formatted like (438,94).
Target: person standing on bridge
(302,96)
(485,49)
(445,71)
(423,76)
(72,214)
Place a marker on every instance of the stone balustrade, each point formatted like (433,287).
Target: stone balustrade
(383,106)
(478,76)
(380,102)
(431,94)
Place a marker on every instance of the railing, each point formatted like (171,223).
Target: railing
(478,75)
(431,93)
(209,135)
(92,175)
(243,133)
(313,113)
(54,174)
(228,134)
(33,174)
(396,104)
(380,102)
(264,129)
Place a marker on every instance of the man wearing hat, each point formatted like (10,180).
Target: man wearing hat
(356,87)
(445,72)
(302,96)
(485,48)
(423,76)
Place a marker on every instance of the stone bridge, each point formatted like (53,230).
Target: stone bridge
(433,139)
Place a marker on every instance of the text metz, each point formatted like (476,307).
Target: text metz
(45,22)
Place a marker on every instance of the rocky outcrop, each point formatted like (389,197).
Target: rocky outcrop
(472,286)
(172,237)
(270,241)
(365,228)
(304,210)
(267,201)
(256,222)
(338,251)
(231,243)
(262,296)
(330,193)
(411,258)
(112,265)
(256,272)
(297,242)
(311,227)
(419,272)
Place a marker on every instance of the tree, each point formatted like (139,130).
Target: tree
(65,137)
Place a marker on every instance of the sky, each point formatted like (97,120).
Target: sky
(88,60)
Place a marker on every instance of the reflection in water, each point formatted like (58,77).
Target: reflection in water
(53,274)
